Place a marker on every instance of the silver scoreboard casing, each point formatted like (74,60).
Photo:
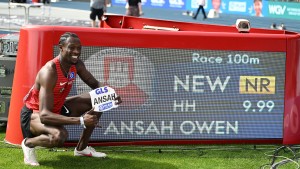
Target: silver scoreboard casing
(4,108)
(9,44)
(7,69)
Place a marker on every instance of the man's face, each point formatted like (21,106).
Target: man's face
(71,50)
(216,4)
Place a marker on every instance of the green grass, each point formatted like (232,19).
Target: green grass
(150,157)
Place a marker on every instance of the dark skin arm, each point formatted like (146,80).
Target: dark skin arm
(86,76)
(46,81)
(89,79)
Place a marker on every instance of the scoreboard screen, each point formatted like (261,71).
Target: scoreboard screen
(188,94)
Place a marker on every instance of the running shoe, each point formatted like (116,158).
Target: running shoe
(29,155)
(89,152)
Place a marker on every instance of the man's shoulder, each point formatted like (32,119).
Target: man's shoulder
(50,64)
(47,74)
(49,67)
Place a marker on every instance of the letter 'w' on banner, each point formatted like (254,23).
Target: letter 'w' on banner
(103,99)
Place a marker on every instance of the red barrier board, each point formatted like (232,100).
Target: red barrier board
(181,83)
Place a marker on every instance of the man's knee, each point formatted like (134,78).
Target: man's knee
(79,104)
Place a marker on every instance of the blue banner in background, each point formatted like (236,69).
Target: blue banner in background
(119,2)
(156,3)
(177,4)
(240,7)
(168,4)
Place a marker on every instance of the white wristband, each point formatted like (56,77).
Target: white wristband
(82,122)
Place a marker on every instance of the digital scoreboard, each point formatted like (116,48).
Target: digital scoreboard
(189,94)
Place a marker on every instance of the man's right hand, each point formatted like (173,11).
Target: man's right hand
(90,119)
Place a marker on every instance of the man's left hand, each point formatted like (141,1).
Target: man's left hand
(118,100)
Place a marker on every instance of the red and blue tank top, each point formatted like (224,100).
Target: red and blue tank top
(60,91)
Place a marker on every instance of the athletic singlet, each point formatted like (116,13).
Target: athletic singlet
(60,91)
